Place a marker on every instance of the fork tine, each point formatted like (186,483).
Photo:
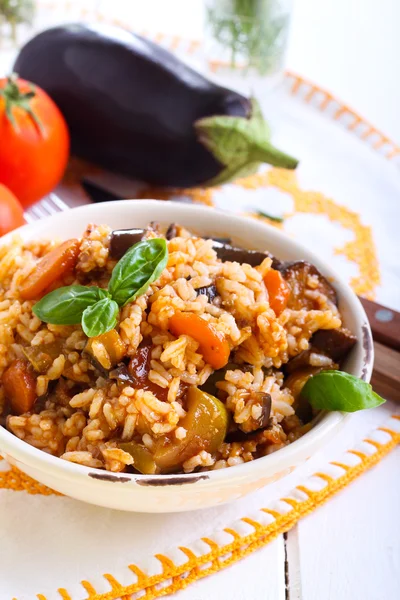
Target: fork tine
(29,217)
(38,212)
(58,202)
(50,205)
(50,208)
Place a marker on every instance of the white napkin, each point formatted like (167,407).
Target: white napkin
(53,542)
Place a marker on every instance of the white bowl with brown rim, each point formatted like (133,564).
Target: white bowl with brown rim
(183,492)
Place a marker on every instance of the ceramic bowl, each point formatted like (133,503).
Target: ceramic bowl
(183,492)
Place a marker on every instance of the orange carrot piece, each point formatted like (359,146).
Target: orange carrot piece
(51,267)
(278,291)
(213,345)
(19,386)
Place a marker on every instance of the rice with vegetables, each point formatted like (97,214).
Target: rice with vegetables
(194,358)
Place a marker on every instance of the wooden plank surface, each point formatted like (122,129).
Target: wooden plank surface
(386,375)
(267,583)
(349,549)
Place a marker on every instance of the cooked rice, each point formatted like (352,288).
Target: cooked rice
(84,415)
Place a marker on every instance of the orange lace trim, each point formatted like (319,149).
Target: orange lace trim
(176,577)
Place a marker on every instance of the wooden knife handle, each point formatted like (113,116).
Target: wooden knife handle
(386,376)
(385,323)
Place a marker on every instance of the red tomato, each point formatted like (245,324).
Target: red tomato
(34,138)
(11,213)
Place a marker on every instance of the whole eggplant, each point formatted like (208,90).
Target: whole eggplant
(135,108)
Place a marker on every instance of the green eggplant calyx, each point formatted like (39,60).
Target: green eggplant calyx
(15,98)
(240,144)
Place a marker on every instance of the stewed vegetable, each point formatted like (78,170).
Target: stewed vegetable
(41,356)
(206,424)
(107,349)
(123,239)
(213,344)
(19,386)
(138,370)
(143,460)
(278,291)
(51,267)
(298,274)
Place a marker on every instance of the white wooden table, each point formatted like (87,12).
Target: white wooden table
(348,549)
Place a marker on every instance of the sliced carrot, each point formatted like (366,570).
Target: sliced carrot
(213,345)
(278,291)
(19,386)
(51,267)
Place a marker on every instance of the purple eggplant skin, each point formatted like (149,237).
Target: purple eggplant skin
(130,105)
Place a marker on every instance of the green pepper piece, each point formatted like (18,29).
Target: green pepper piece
(143,460)
(206,424)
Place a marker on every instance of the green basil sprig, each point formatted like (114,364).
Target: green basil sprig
(137,269)
(97,309)
(336,390)
(66,305)
(100,317)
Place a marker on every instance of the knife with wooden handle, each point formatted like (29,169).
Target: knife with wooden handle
(385,323)
(385,326)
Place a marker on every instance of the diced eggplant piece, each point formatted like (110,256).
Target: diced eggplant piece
(123,239)
(313,357)
(220,240)
(210,291)
(298,362)
(121,374)
(226,252)
(258,399)
(154,227)
(296,274)
(336,343)
(210,386)
(172,231)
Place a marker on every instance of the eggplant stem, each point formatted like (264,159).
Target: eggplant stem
(240,144)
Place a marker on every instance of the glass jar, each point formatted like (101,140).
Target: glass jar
(247,39)
(15,15)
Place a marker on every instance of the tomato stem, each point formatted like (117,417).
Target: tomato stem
(13,97)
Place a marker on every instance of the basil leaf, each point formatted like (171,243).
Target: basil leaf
(336,390)
(137,269)
(65,306)
(100,317)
